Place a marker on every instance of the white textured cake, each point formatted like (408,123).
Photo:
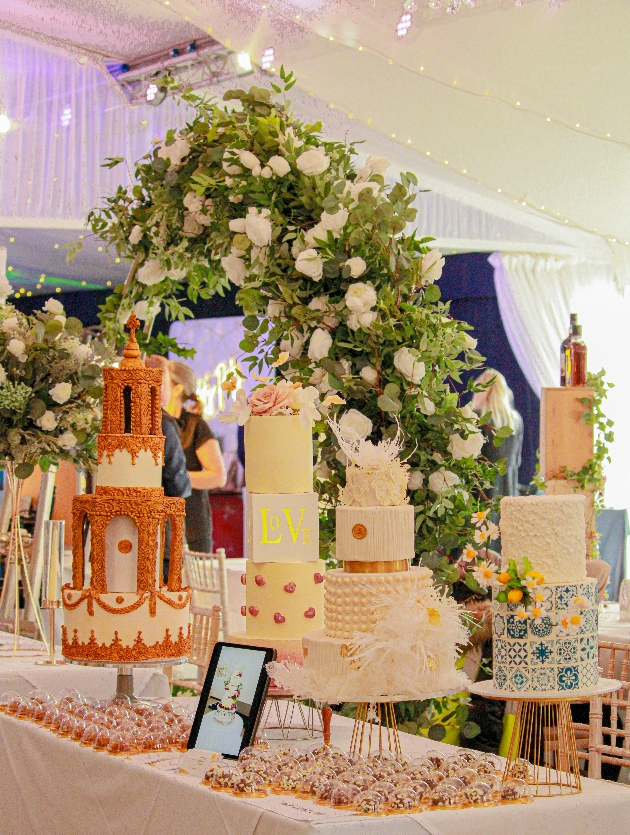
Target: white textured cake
(550,644)
(284,575)
(388,634)
(125,613)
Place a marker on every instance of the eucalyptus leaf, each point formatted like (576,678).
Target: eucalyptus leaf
(36,408)
(24,470)
(73,326)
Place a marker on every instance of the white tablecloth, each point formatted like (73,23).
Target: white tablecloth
(22,674)
(54,786)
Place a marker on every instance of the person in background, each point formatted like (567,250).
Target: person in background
(175,478)
(203,456)
(498,399)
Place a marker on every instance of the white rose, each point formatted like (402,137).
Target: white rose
(235,268)
(465,447)
(470,343)
(275,309)
(258,226)
(432,264)
(136,234)
(319,345)
(53,306)
(357,266)
(146,309)
(409,366)
(61,393)
(322,471)
(469,413)
(266,172)
(442,479)
(47,421)
(193,202)
(67,440)
(313,162)
(10,324)
(229,167)
(250,161)
(16,347)
(354,425)
(191,225)
(279,166)
(82,352)
(377,165)
(237,225)
(426,406)
(151,272)
(355,189)
(360,297)
(369,374)
(416,480)
(293,344)
(319,378)
(175,152)
(361,320)
(334,222)
(3,375)
(322,304)
(310,264)
(318,232)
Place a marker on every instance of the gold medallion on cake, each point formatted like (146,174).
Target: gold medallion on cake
(125,546)
(359,531)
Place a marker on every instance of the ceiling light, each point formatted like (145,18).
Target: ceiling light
(403,26)
(268,57)
(244,61)
(5,123)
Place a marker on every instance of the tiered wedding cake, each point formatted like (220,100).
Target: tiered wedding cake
(284,575)
(124,613)
(388,635)
(546,641)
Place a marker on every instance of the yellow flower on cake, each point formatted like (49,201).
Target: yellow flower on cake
(581,603)
(572,621)
(493,530)
(522,613)
(540,594)
(469,553)
(537,612)
(533,579)
(485,574)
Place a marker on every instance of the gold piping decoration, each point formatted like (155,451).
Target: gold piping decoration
(152,596)
(116,651)
(107,445)
(375,567)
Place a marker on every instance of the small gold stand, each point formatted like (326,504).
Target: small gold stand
(542,747)
(51,605)
(375,729)
(284,717)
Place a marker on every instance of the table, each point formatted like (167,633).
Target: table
(54,786)
(22,674)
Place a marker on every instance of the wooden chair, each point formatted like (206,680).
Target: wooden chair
(207,574)
(204,633)
(610,743)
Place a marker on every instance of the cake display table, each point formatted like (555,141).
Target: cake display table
(542,747)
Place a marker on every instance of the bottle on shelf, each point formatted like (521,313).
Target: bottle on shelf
(576,359)
(563,348)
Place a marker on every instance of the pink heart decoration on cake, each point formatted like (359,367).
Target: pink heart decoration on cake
(279,618)
(243,610)
(290,587)
(309,613)
(243,579)
(319,578)
(259,580)
(253,611)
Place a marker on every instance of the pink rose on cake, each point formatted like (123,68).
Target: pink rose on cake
(270,400)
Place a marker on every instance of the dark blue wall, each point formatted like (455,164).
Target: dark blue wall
(468,282)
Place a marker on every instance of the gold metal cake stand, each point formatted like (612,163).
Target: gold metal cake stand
(124,678)
(542,747)
(375,729)
(285,717)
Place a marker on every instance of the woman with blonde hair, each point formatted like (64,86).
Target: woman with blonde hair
(203,455)
(496,397)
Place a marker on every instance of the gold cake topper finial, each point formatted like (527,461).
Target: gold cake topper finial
(131,354)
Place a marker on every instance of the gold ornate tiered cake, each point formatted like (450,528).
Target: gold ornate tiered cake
(388,635)
(125,614)
(284,575)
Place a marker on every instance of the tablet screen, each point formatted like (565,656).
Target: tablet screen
(232,699)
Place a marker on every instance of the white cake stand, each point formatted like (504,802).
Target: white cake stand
(124,678)
(542,748)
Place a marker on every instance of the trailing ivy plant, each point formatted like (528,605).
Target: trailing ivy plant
(251,196)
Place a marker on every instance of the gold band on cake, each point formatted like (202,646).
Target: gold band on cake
(376,567)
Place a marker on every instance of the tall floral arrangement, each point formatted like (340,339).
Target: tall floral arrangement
(329,281)
(50,388)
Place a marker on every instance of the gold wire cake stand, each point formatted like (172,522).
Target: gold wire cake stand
(285,717)
(375,730)
(542,749)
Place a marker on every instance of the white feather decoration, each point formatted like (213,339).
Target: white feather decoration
(410,655)
(365,454)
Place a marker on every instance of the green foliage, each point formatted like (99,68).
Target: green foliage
(239,195)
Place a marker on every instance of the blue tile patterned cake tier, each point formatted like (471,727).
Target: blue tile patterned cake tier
(550,652)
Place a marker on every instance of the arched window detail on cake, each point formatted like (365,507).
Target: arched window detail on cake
(121,554)
(127,423)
